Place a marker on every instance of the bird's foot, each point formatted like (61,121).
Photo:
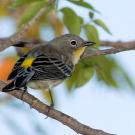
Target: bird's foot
(48,109)
(24,91)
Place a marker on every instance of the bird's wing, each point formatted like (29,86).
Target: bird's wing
(44,66)
(49,67)
(17,67)
(45,63)
(21,43)
(28,43)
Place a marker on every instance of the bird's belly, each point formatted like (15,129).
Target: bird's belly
(43,85)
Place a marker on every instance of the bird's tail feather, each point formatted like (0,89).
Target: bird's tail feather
(9,87)
(20,81)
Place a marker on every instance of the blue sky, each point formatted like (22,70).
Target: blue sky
(95,104)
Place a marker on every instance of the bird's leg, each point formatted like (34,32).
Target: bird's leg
(33,102)
(24,91)
(52,102)
(51,98)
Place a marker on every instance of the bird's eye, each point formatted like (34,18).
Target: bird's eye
(73,42)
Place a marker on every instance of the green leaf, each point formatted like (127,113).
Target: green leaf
(91,33)
(128,80)
(81,20)
(110,72)
(71,20)
(30,12)
(18,3)
(91,15)
(104,67)
(123,76)
(82,74)
(83,4)
(102,25)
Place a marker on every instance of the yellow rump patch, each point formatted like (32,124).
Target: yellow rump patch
(27,63)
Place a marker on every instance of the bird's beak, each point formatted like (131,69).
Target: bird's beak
(88,43)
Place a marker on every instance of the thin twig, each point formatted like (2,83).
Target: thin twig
(118,44)
(105,52)
(6,42)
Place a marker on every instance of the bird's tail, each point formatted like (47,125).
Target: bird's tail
(20,80)
(21,43)
(9,87)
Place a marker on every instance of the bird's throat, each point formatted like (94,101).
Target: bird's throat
(77,54)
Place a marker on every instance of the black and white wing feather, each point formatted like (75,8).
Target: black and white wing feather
(45,66)
(48,67)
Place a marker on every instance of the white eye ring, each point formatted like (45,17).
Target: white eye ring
(73,42)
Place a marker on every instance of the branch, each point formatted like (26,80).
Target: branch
(52,113)
(118,44)
(6,42)
(118,47)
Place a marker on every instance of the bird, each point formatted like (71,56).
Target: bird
(47,64)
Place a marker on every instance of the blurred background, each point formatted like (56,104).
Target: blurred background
(101,91)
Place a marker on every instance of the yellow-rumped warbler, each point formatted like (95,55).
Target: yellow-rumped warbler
(48,64)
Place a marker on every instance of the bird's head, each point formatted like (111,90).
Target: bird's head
(72,45)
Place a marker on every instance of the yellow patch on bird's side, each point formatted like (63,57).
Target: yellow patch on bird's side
(77,54)
(27,62)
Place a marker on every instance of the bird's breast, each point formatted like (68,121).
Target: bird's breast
(43,84)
